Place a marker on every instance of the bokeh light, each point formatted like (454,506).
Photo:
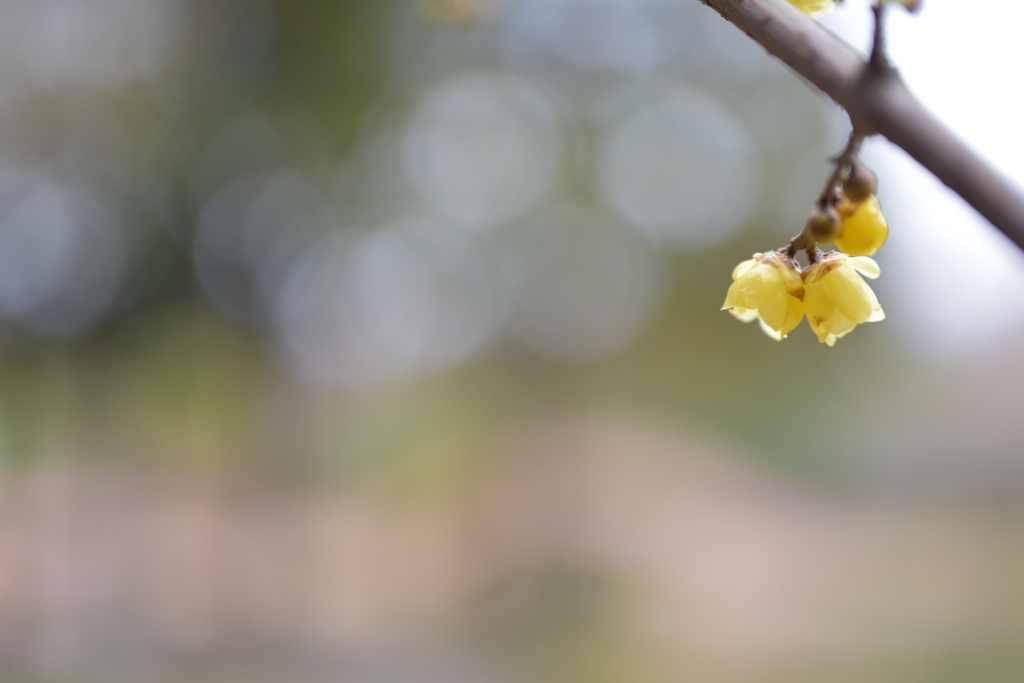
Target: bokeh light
(584,286)
(682,169)
(482,150)
(248,235)
(401,299)
(61,254)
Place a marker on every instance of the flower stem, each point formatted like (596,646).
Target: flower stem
(841,162)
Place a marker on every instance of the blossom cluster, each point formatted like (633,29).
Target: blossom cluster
(830,291)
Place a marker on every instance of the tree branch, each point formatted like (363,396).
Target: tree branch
(878,101)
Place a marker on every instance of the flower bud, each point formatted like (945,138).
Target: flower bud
(860,183)
(864,231)
(822,225)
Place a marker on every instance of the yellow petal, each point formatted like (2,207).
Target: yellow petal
(772,306)
(793,283)
(734,297)
(851,296)
(774,334)
(744,315)
(866,266)
(741,269)
(794,314)
(863,232)
(839,325)
(818,305)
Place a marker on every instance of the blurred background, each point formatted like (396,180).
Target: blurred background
(380,342)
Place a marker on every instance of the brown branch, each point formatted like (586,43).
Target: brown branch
(878,101)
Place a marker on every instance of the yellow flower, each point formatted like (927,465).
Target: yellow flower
(768,287)
(836,299)
(862,230)
(812,7)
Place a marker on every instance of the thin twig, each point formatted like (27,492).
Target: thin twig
(878,102)
(805,241)
(879,60)
(841,161)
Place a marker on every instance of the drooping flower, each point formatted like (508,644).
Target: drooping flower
(836,298)
(767,287)
(862,228)
(813,7)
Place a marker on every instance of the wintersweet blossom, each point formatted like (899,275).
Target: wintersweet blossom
(767,287)
(862,229)
(836,298)
(813,7)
